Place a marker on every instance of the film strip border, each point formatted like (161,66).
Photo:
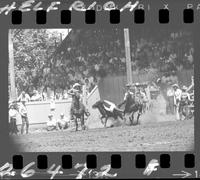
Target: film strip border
(91,160)
(114,16)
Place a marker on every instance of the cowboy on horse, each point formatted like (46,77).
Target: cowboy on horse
(127,93)
(77,108)
(132,104)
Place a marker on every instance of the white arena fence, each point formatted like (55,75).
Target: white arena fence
(38,111)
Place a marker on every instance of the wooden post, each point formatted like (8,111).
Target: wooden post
(128,55)
(11,67)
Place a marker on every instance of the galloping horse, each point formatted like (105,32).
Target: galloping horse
(78,111)
(105,113)
(131,107)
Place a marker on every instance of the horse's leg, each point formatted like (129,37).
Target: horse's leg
(124,117)
(119,114)
(101,118)
(138,116)
(139,113)
(105,122)
(76,123)
(132,118)
(82,122)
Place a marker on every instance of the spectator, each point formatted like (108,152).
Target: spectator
(36,96)
(52,106)
(44,96)
(63,122)
(24,116)
(65,94)
(13,119)
(51,123)
(24,97)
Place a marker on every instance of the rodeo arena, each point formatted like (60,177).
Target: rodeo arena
(101,90)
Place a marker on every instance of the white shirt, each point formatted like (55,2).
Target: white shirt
(51,122)
(13,113)
(63,120)
(22,110)
(170,92)
(36,97)
(177,94)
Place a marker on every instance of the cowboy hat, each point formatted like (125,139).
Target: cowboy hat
(76,85)
(175,85)
(61,114)
(184,88)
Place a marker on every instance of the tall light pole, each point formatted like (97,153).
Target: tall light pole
(13,94)
(128,55)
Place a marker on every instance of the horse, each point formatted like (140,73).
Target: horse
(78,111)
(105,113)
(131,107)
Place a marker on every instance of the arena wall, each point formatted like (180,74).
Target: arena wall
(38,111)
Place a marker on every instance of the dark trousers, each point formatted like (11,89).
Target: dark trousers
(25,122)
(13,126)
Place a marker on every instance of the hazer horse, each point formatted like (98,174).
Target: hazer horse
(131,107)
(78,111)
(100,105)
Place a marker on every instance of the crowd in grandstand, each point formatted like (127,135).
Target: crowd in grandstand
(105,54)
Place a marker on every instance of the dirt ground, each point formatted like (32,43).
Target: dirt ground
(163,134)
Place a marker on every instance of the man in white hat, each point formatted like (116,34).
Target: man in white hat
(75,92)
(128,91)
(177,97)
(184,100)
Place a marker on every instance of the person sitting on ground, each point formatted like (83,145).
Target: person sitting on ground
(24,97)
(51,123)
(63,122)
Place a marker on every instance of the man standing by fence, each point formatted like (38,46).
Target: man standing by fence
(24,116)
